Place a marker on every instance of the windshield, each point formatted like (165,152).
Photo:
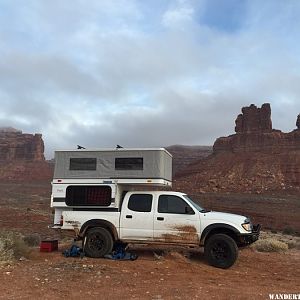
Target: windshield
(198,207)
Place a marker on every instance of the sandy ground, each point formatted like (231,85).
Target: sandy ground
(172,276)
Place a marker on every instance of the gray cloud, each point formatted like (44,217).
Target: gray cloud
(141,74)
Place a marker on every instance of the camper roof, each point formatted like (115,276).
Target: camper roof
(115,149)
(121,163)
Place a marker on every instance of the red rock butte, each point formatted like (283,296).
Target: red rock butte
(254,133)
(257,158)
(18,146)
(22,157)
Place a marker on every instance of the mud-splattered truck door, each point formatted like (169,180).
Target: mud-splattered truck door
(136,221)
(175,221)
(156,217)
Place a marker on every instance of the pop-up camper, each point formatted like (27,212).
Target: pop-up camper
(118,164)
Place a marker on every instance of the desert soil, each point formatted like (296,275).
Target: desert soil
(171,275)
(52,276)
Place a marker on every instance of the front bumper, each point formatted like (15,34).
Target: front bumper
(251,237)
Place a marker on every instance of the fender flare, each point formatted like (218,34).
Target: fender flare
(99,223)
(215,226)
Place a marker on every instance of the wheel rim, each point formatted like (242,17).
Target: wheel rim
(96,243)
(220,252)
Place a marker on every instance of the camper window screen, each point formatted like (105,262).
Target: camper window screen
(88,195)
(83,164)
(129,163)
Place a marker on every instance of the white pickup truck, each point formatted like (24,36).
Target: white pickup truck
(102,211)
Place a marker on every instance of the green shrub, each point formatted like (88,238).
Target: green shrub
(12,247)
(270,245)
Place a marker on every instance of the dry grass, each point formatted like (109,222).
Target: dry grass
(294,245)
(32,240)
(176,255)
(270,245)
(12,247)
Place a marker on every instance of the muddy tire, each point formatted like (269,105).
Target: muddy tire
(97,242)
(221,251)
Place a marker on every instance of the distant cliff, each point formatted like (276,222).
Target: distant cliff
(257,158)
(18,146)
(22,157)
(183,155)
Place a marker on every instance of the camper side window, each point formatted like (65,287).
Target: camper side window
(88,195)
(129,163)
(83,164)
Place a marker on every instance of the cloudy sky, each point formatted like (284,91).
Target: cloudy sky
(145,73)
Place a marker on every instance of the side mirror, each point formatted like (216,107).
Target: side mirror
(189,210)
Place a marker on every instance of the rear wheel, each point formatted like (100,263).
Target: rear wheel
(221,251)
(98,242)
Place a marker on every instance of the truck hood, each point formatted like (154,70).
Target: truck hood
(221,217)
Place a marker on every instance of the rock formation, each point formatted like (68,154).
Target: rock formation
(17,146)
(254,133)
(22,157)
(298,122)
(254,119)
(256,159)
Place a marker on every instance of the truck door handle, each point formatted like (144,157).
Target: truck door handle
(160,218)
(129,216)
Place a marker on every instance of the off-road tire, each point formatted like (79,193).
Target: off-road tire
(221,251)
(97,242)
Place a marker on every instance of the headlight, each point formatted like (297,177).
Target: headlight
(247,225)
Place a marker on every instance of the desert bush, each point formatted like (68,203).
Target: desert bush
(270,245)
(294,245)
(175,255)
(12,247)
(288,230)
(32,240)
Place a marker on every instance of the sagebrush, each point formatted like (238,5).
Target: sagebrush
(32,240)
(12,247)
(270,245)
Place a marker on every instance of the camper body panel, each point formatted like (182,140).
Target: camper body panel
(114,164)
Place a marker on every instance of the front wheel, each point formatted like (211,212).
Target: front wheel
(98,242)
(221,251)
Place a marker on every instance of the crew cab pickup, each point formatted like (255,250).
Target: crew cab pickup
(163,217)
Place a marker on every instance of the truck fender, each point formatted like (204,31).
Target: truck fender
(218,228)
(99,223)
